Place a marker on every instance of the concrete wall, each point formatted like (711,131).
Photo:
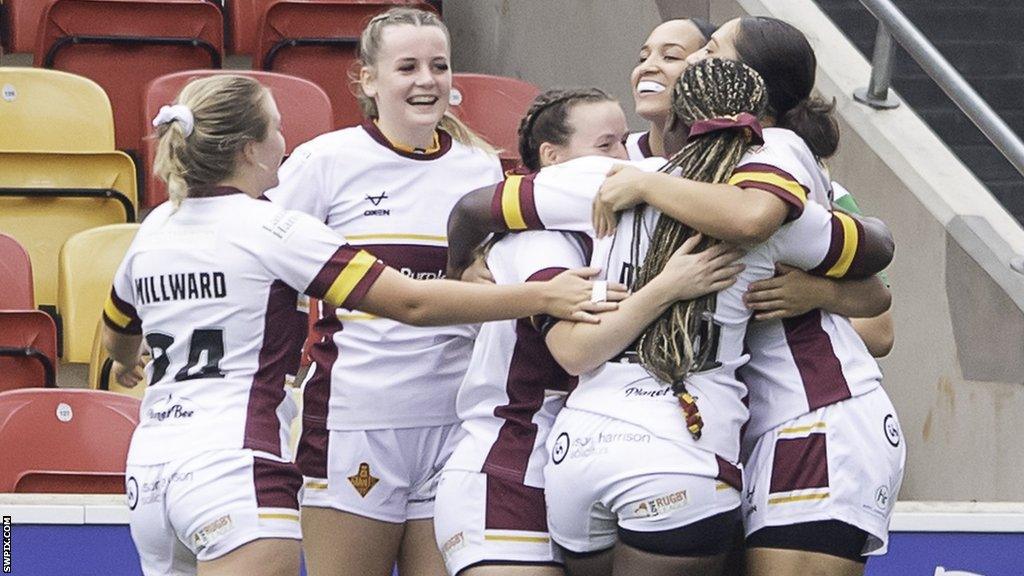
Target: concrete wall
(957,370)
(560,43)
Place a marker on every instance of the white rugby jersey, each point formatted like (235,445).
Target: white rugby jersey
(559,197)
(514,388)
(638,145)
(800,364)
(373,372)
(213,288)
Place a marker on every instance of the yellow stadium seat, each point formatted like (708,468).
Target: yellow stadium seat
(99,369)
(47,197)
(88,261)
(50,111)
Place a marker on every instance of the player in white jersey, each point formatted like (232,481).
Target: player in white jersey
(662,60)
(782,55)
(517,206)
(490,511)
(379,404)
(210,284)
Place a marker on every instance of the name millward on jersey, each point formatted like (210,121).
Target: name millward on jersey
(184,286)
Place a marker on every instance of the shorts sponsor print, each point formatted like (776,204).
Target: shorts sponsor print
(484,518)
(202,507)
(634,479)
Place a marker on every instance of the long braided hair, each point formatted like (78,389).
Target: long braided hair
(680,341)
(547,120)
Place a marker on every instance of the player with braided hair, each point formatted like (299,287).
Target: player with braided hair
(490,513)
(670,500)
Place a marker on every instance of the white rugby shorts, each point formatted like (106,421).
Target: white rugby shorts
(604,473)
(483,518)
(202,507)
(841,462)
(389,475)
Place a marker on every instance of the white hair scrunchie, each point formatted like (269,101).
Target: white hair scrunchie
(178,112)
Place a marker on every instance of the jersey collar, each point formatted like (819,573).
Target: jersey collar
(442,143)
(212,191)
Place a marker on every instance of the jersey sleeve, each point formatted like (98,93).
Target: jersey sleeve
(312,258)
(831,244)
(558,197)
(302,184)
(538,257)
(119,313)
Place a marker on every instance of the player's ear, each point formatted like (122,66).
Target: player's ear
(368,81)
(548,154)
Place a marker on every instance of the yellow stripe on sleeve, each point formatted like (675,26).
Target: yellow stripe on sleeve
(116,316)
(510,206)
(786,184)
(349,278)
(850,240)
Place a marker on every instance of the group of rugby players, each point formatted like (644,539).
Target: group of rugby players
(641,362)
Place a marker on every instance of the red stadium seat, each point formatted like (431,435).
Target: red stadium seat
(23,23)
(65,441)
(305,113)
(123,44)
(317,40)
(28,349)
(16,291)
(493,106)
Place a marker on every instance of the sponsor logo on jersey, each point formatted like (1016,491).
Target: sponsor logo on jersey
(153,492)
(660,505)
(376,200)
(363,481)
(131,492)
(171,409)
(212,532)
(282,224)
(427,275)
(454,544)
(892,430)
(882,497)
(561,448)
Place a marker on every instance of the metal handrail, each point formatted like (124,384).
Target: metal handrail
(891,21)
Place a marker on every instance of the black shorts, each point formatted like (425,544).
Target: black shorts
(830,537)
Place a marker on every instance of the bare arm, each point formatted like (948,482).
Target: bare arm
(468,226)
(580,348)
(730,213)
(125,351)
(793,292)
(441,302)
(877,333)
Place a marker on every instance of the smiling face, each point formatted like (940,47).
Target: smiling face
(410,82)
(662,61)
(598,129)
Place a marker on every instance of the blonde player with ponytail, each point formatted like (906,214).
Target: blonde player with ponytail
(379,405)
(210,284)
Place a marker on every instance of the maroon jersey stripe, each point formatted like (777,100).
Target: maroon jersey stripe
(527,205)
(514,506)
(284,330)
(835,249)
(800,464)
(532,370)
(311,455)
(729,473)
(816,360)
(331,270)
(277,483)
